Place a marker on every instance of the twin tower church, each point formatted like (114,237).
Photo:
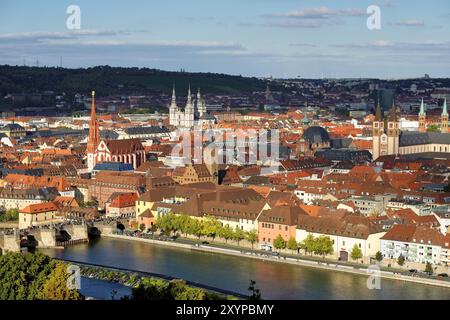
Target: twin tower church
(388,139)
(193,115)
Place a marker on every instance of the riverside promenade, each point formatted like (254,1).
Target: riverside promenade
(254,254)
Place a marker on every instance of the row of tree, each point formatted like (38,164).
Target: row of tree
(212,228)
(208,227)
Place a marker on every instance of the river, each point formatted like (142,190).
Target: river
(276,280)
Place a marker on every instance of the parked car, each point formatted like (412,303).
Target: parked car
(443,275)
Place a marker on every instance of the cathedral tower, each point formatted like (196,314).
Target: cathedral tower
(393,131)
(189,111)
(444,118)
(422,118)
(94,136)
(173,109)
(377,132)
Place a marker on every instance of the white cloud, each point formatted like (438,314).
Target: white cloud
(320,13)
(410,23)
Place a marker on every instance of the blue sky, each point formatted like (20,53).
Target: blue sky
(280,38)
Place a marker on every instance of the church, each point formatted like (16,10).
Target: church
(194,113)
(388,139)
(126,150)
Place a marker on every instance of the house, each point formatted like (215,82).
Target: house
(193,173)
(38,214)
(345,232)
(443,217)
(108,182)
(415,244)
(121,205)
(146,218)
(281,220)
(20,198)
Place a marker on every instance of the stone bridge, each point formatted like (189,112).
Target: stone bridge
(43,237)
(48,237)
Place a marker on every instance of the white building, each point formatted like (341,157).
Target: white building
(345,233)
(194,113)
(415,244)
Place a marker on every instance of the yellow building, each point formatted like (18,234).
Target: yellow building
(38,214)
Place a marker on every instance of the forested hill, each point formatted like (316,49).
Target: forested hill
(111,80)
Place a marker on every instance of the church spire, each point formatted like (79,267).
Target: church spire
(94,132)
(444,109)
(189,98)
(173,103)
(444,118)
(422,118)
(378,113)
(393,112)
(422,109)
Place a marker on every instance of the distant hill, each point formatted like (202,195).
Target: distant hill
(107,80)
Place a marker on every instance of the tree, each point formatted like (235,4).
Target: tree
(211,226)
(142,227)
(433,128)
(323,246)
(308,244)
(255,292)
(33,277)
(238,235)
(10,215)
(184,222)
(292,244)
(279,242)
(429,268)
(356,253)
(55,288)
(379,256)
(196,228)
(252,237)
(401,260)
(226,233)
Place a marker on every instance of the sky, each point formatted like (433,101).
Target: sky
(278,38)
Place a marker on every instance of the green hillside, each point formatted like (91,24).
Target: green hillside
(110,80)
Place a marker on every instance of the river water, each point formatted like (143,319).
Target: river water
(275,280)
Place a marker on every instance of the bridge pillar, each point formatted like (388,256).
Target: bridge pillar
(46,238)
(10,242)
(77,232)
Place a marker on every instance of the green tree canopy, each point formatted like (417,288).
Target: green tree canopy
(292,244)
(428,268)
(33,276)
(252,237)
(238,235)
(323,245)
(379,256)
(279,242)
(356,253)
(308,244)
(401,260)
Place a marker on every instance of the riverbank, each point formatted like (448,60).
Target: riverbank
(287,260)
